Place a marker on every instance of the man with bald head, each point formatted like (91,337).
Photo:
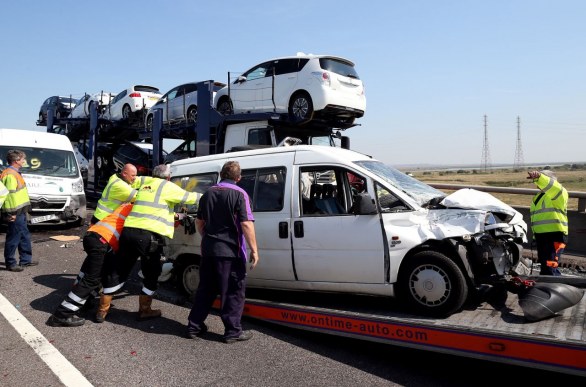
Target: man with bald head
(121,188)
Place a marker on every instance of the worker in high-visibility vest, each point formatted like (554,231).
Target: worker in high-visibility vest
(100,243)
(3,193)
(150,223)
(121,188)
(14,211)
(549,220)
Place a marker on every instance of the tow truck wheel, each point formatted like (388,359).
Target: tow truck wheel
(187,272)
(192,115)
(126,111)
(301,107)
(41,118)
(432,284)
(225,106)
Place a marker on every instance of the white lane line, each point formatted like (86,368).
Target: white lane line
(65,371)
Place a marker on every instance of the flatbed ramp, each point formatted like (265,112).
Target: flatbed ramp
(495,330)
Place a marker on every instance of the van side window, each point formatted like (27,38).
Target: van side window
(196,183)
(326,190)
(265,187)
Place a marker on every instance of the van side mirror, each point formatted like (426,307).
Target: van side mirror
(363,205)
(241,79)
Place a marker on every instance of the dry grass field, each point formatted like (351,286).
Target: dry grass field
(573,177)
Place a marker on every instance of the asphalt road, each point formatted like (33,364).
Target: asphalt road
(123,351)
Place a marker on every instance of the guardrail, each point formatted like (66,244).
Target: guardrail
(576,219)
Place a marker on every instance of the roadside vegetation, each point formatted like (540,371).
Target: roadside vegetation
(572,176)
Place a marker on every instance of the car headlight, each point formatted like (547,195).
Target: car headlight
(77,187)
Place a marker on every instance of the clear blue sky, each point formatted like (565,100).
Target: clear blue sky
(432,69)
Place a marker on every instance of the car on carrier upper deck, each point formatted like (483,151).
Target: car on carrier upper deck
(131,101)
(61,106)
(178,105)
(305,86)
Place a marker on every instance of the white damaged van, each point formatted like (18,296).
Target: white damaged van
(52,175)
(333,220)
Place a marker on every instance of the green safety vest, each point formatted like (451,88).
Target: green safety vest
(549,208)
(17,201)
(3,193)
(116,192)
(154,203)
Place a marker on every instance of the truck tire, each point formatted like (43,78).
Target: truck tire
(186,269)
(432,284)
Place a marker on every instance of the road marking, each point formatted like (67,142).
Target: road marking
(61,367)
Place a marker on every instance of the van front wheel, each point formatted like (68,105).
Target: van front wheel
(432,284)
(186,270)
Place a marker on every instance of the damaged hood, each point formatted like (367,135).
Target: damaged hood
(469,212)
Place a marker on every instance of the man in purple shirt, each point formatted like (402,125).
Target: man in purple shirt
(225,221)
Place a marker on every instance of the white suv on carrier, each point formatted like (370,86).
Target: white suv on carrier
(306,86)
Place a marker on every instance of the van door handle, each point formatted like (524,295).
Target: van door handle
(283,230)
(298,229)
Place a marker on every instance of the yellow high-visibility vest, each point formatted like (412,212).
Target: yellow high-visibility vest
(116,192)
(153,206)
(3,193)
(17,201)
(549,208)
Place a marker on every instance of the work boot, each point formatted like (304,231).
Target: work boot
(71,321)
(103,308)
(144,308)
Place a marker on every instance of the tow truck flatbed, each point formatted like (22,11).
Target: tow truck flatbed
(493,330)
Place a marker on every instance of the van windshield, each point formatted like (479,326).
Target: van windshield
(44,162)
(419,191)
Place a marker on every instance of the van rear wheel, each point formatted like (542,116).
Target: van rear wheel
(432,284)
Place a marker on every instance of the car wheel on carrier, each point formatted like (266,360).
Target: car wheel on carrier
(432,284)
(301,107)
(187,273)
(149,123)
(192,115)
(225,106)
(126,111)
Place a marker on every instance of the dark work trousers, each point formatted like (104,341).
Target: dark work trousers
(226,277)
(550,246)
(18,237)
(96,248)
(135,243)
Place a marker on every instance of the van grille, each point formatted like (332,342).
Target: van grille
(48,203)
